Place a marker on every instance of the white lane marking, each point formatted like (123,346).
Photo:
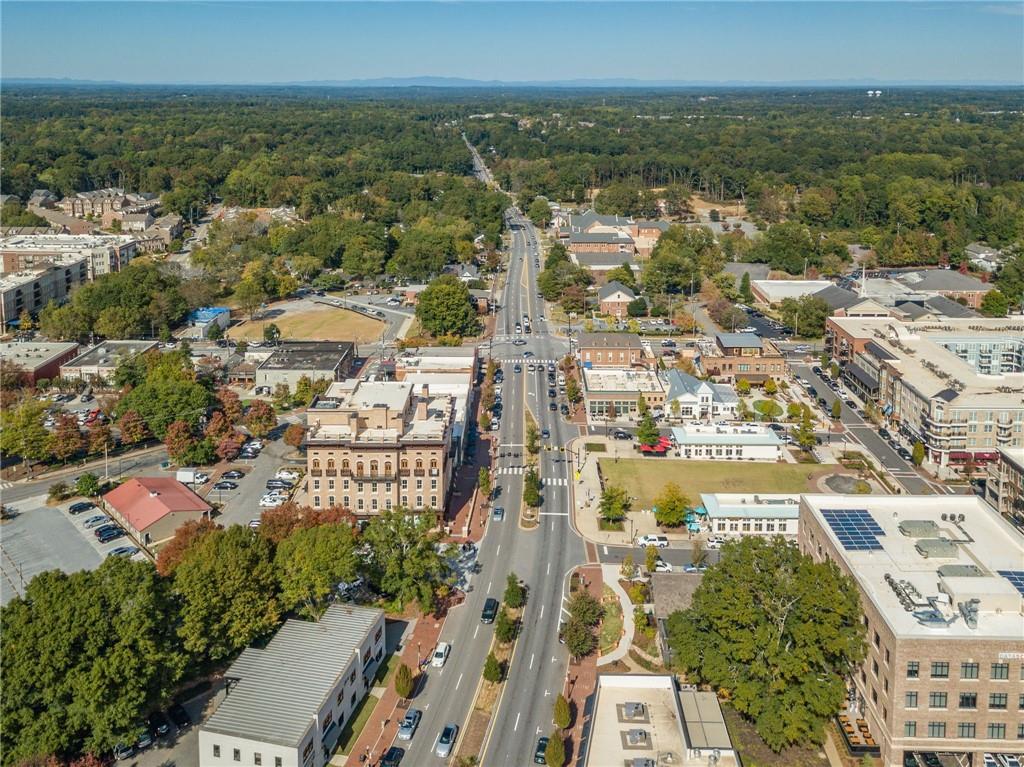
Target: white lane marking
(538,726)
(549,568)
(605,548)
(554,659)
(516,725)
(477,631)
(531,661)
(458,682)
(498,550)
(489,582)
(547,693)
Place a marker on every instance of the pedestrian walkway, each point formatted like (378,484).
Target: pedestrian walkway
(581,679)
(525,361)
(610,574)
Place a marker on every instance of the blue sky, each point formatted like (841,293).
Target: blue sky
(243,41)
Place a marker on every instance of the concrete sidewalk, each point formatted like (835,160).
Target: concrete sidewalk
(610,575)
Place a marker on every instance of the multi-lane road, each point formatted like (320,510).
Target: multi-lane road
(542,557)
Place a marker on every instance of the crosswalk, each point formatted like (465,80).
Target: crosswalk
(519,470)
(5,484)
(526,361)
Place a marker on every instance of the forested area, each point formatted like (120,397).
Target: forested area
(917,174)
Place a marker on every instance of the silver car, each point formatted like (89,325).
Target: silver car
(409,724)
(446,740)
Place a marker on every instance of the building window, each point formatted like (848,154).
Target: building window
(874,667)
(257,759)
(936,729)
(996,730)
(968,670)
(1000,670)
(1020,701)
(997,701)
(216,750)
(237,755)
(878,639)
(910,729)
(277,761)
(913,669)
(316,501)
(968,700)
(1020,731)
(937,699)
(965,730)
(330,500)
(910,700)
(940,670)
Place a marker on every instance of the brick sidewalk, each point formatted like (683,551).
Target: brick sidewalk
(466,506)
(581,678)
(382,726)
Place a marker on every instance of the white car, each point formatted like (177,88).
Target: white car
(202,479)
(658,541)
(661,566)
(272,501)
(441,653)
(287,474)
(715,543)
(254,443)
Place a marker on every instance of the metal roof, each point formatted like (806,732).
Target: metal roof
(880,352)
(281,687)
(739,341)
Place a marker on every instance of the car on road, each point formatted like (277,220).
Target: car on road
(233,474)
(498,513)
(661,566)
(179,716)
(446,739)
(905,454)
(552,393)
(96,521)
(715,542)
(850,404)
(225,484)
(409,724)
(553,407)
(540,753)
(519,342)
(490,611)
(517,369)
(441,653)
(620,434)
(392,757)
(123,551)
(564,409)
(658,541)
(531,367)
(78,508)
(545,434)
(527,353)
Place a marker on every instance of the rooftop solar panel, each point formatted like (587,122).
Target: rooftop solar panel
(1016,577)
(855,529)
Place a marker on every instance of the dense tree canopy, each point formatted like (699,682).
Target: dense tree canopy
(777,632)
(445,308)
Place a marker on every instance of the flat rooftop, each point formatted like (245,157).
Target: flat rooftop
(324,357)
(944,356)
(916,565)
(750,505)
(724,434)
(353,394)
(776,290)
(646,717)
(281,687)
(621,380)
(32,354)
(108,353)
(63,243)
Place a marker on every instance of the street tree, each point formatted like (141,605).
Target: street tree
(572,390)
(505,626)
(230,405)
(615,503)
(770,387)
(515,594)
(294,435)
(837,409)
(311,562)
(445,308)
(804,431)
(179,441)
(101,438)
(918,453)
(404,682)
(554,754)
(671,506)
(88,484)
(779,631)
(531,489)
(628,568)
(585,608)
(580,638)
(647,431)
(260,419)
(227,589)
(492,669)
(66,440)
(404,558)
(651,558)
(742,387)
(562,715)
(483,482)
(539,212)
(132,427)
(22,432)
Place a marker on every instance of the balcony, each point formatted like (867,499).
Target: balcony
(316,472)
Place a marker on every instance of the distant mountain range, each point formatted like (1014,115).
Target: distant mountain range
(466,83)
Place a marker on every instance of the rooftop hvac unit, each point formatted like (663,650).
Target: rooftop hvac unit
(636,737)
(634,710)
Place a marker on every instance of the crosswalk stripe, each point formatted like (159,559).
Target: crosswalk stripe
(4,484)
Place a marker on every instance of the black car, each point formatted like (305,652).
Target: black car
(103,529)
(884,434)
(78,508)
(552,393)
(393,757)
(620,434)
(225,485)
(564,409)
(233,474)
(553,407)
(490,611)
(179,716)
(540,753)
(905,454)
(110,535)
(850,404)
(159,724)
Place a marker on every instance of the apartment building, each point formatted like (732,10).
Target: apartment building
(941,583)
(955,385)
(288,702)
(30,289)
(732,356)
(1004,486)
(112,199)
(611,350)
(373,446)
(105,253)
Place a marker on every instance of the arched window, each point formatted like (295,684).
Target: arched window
(419,463)
(359,468)
(405,463)
(330,463)
(387,468)
(316,463)
(373,467)
(344,464)
(433,463)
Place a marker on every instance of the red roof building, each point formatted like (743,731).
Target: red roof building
(152,508)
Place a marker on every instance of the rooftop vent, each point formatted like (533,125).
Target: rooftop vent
(920,528)
(936,548)
(637,737)
(969,611)
(634,710)
(643,761)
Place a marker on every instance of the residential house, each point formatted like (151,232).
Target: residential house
(690,398)
(614,299)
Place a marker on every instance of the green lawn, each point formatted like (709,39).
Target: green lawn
(386,669)
(354,726)
(643,478)
(611,624)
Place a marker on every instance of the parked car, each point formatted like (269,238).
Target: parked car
(553,407)
(715,542)
(446,739)
(179,716)
(658,541)
(96,521)
(123,551)
(272,501)
(540,753)
(884,434)
(110,535)
(159,724)
(122,751)
(78,508)
(289,475)
(620,434)
(104,528)
(441,653)
(392,757)
(233,474)
(490,611)
(279,484)
(225,485)
(144,741)
(661,566)
(409,724)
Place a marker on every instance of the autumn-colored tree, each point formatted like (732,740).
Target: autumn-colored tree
(87,760)
(184,538)
(179,440)
(133,428)
(218,427)
(100,438)
(277,524)
(230,404)
(66,439)
(294,435)
(229,445)
(260,419)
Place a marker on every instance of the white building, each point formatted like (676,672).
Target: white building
(106,253)
(287,703)
(727,442)
(743,514)
(699,399)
